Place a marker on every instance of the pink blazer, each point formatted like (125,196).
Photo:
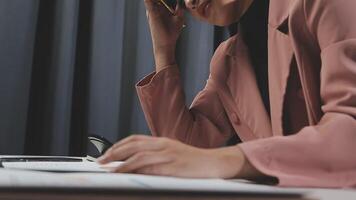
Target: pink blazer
(320,36)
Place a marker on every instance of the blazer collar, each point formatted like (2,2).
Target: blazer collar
(279,12)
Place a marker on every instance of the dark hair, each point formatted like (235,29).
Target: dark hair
(253,27)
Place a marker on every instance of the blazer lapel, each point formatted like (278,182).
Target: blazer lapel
(280,54)
(306,54)
(244,92)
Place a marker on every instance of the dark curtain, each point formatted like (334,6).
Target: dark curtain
(68,69)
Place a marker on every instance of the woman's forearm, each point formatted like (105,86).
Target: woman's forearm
(164,56)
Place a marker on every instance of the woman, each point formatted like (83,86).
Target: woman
(305,136)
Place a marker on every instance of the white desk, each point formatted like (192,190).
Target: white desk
(35,185)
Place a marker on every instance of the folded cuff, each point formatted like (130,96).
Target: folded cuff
(260,154)
(271,157)
(155,77)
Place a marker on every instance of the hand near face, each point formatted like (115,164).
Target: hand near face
(166,157)
(165,27)
(165,30)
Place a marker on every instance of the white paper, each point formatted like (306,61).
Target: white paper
(19,178)
(62,166)
(33,179)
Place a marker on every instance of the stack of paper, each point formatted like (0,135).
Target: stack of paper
(62,166)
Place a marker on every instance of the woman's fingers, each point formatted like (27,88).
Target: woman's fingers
(105,158)
(130,139)
(129,149)
(123,142)
(179,10)
(179,16)
(142,160)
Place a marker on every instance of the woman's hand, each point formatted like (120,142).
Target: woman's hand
(162,156)
(165,30)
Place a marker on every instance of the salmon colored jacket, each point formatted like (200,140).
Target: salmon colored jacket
(318,37)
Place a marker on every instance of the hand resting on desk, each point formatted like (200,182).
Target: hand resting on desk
(163,156)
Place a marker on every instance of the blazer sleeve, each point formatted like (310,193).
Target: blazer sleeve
(162,98)
(322,155)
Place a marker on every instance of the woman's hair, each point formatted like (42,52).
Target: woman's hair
(253,27)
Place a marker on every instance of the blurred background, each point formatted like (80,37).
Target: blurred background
(68,68)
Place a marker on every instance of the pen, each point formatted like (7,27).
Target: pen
(169,8)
